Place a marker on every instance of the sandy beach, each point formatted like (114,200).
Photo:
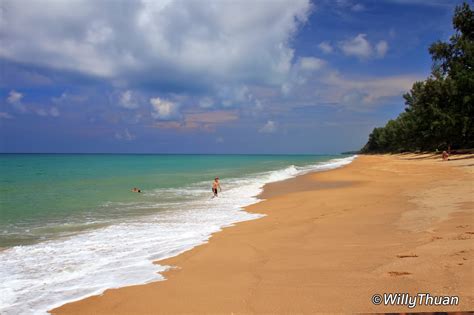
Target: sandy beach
(329,242)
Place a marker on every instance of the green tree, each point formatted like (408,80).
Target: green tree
(440,110)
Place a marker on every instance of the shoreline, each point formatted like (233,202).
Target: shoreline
(261,262)
(121,255)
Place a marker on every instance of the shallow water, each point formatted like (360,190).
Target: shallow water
(72,228)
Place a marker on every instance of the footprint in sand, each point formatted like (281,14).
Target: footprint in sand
(398,273)
(462,237)
(408,256)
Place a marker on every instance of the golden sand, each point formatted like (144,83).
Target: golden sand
(329,242)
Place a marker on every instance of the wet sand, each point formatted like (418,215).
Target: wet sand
(329,242)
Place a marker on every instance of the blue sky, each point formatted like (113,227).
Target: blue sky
(217,76)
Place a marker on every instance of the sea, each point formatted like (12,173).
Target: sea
(70,227)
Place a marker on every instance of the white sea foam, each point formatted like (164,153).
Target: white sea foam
(36,278)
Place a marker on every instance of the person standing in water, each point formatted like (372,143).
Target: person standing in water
(216,185)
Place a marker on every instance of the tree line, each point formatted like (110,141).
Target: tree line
(439,111)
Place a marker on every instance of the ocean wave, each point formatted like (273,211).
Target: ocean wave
(38,277)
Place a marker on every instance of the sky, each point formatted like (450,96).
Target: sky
(198,76)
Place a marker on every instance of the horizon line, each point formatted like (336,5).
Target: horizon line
(173,153)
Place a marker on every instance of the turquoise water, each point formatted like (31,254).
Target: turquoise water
(83,231)
(45,196)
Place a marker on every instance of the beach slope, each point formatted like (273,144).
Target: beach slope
(329,242)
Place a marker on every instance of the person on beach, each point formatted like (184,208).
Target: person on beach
(445,156)
(216,185)
(137,190)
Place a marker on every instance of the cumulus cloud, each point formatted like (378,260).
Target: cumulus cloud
(14,97)
(304,68)
(360,47)
(126,100)
(269,127)
(164,109)
(231,41)
(325,47)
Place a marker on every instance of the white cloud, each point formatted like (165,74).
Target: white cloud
(125,135)
(310,63)
(232,41)
(14,97)
(164,109)
(325,47)
(269,127)
(126,100)
(381,48)
(233,95)
(303,70)
(360,47)
(363,93)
